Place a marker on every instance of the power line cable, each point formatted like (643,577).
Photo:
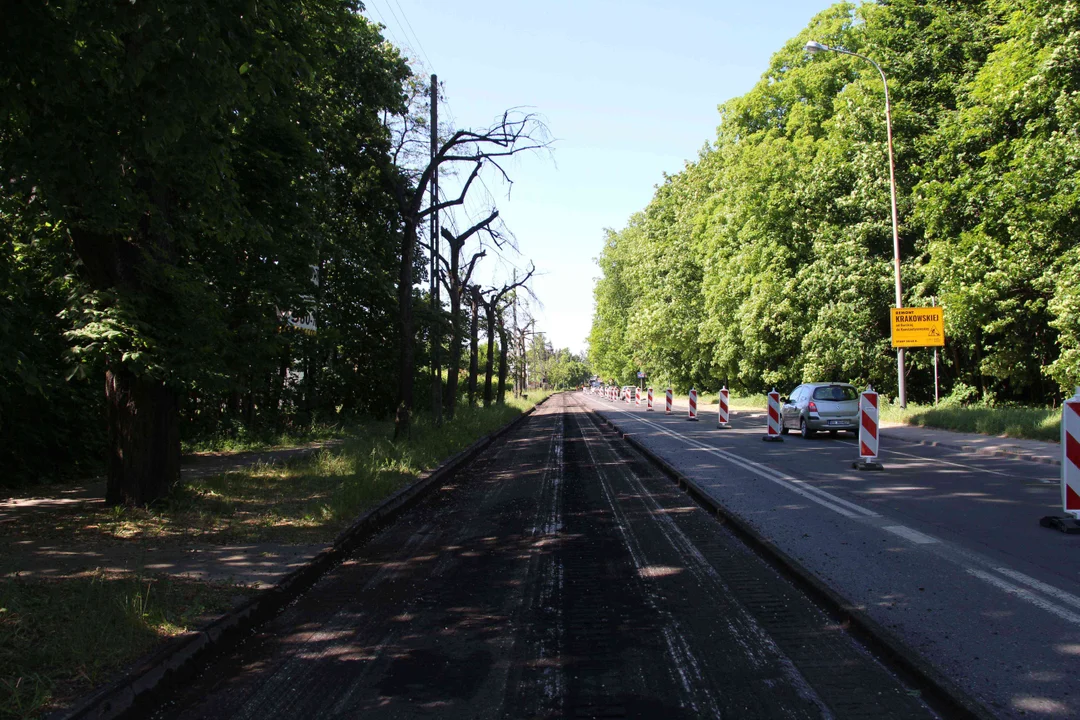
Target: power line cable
(414,35)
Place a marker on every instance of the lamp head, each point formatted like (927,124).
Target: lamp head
(813,47)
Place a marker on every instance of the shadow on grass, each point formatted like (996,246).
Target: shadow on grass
(59,638)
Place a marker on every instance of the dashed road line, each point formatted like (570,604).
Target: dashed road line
(913,535)
(1027,595)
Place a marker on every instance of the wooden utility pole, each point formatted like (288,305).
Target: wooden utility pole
(436,340)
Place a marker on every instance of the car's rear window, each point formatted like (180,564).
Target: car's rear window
(835,393)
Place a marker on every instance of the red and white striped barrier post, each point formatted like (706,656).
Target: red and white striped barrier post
(868,431)
(1070,468)
(638,394)
(649,407)
(723,415)
(772,419)
(626,395)
(693,405)
(667,402)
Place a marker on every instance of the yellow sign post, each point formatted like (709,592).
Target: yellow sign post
(918,327)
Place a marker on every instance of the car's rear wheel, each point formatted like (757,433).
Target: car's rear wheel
(804,430)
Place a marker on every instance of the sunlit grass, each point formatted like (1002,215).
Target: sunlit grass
(59,638)
(1012,422)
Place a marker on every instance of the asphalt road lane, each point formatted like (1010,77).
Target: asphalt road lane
(943,548)
(559,576)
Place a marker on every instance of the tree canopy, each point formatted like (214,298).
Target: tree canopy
(768,259)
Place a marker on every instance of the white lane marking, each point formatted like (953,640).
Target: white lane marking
(913,535)
(1067,598)
(1027,595)
(800,487)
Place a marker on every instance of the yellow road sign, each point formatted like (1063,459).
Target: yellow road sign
(918,327)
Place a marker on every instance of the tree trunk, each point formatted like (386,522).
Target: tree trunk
(489,366)
(503,350)
(474,349)
(453,366)
(406,360)
(144,438)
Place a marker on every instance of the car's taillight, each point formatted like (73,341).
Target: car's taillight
(812,407)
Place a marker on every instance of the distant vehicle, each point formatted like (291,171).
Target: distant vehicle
(814,407)
(629,391)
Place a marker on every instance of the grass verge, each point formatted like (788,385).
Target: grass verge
(60,638)
(1011,422)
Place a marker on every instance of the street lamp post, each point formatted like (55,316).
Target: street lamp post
(813,47)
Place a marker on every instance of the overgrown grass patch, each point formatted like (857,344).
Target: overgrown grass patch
(59,638)
(244,440)
(1012,422)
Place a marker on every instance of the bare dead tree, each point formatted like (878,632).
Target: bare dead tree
(504,348)
(456,279)
(476,301)
(491,307)
(513,133)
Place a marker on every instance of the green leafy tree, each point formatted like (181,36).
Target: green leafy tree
(178,146)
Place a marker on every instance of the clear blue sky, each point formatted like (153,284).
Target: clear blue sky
(629,90)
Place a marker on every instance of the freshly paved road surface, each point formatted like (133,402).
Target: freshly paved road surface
(558,576)
(943,548)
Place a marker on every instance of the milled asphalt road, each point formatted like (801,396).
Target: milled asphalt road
(558,576)
(943,548)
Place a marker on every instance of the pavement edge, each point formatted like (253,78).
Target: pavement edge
(173,663)
(938,691)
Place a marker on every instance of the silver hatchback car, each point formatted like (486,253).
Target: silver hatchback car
(821,406)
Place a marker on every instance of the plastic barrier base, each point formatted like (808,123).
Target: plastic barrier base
(1064,524)
(772,438)
(867,465)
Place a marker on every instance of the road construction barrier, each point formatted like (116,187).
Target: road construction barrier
(723,414)
(667,402)
(868,431)
(626,395)
(693,405)
(1070,455)
(637,392)
(772,418)
(648,407)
